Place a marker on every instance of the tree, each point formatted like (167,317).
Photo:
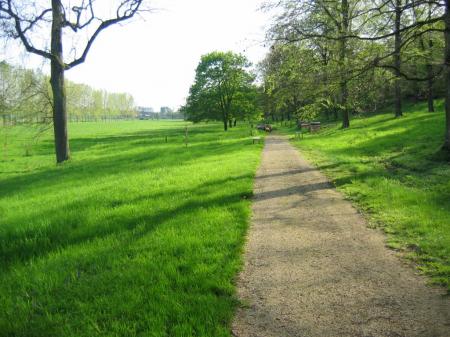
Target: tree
(320,20)
(24,99)
(222,85)
(24,95)
(26,21)
(390,30)
(290,75)
(247,105)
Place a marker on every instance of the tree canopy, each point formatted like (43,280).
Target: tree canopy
(347,57)
(223,89)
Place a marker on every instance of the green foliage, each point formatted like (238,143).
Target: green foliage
(288,84)
(315,59)
(308,112)
(85,102)
(25,97)
(330,108)
(391,168)
(222,90)
(322,108)
(247,104)
(133,237)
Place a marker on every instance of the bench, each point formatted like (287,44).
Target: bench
(315,126)
(254,139)
(304,125)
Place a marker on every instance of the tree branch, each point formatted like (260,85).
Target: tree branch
(7,9)
(129,12)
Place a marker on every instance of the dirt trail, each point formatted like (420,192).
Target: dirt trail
(313,268)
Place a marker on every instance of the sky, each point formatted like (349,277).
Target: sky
(154,57)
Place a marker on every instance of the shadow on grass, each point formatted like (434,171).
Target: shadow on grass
(71,229)
(412,144)
(94,245)
(67,224)
(95,273)
(140,151)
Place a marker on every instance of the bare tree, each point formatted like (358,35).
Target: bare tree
(27,22)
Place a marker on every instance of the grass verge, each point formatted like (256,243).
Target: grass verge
(393,170)
(135,236)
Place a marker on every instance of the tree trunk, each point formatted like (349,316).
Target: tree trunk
(325,84)
(446,145)
(235,122)
(230,123)
(343,63)
(57,83)
(429,66)
(430,92)
(345,114)
(225,122)
(397,58)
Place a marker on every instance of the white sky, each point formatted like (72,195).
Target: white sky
(155,58)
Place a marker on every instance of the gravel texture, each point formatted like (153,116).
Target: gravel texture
(313,268)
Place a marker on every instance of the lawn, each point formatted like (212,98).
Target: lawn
(134,236)
(393,170)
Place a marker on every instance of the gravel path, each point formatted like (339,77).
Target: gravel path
(313,268)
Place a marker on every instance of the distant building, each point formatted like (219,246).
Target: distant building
(165,113)
(165,110)
(146,112)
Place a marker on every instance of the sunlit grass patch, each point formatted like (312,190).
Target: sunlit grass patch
(134,236)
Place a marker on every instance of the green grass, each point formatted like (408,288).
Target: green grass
(393,170)
(133,237)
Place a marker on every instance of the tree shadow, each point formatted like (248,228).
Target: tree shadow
(155,252)
(134,152)
(86,272)
(289,191)
(409,147)
(66,221)
(71,228)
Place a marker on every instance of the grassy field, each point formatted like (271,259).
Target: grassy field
(133,237)
(394,172)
